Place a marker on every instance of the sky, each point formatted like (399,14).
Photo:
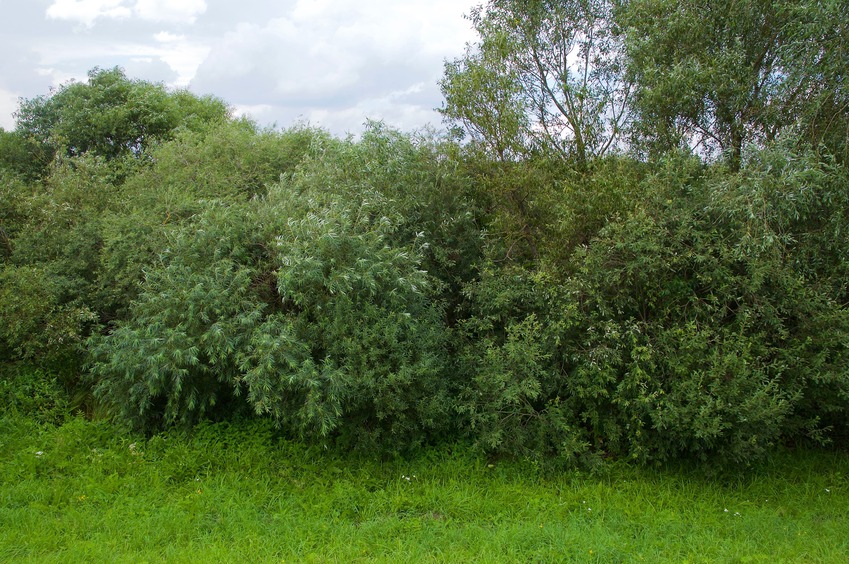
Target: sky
(330,63)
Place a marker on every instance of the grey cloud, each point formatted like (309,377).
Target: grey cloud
(150,69)
(333,63)
(90,12)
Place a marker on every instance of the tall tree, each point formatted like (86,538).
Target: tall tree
(719,74)
(818,44)
(111,115)
(543,77)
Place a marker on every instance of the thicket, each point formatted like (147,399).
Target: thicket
(675,286)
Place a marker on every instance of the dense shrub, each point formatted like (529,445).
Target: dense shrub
(511,400)
(36,324)
(308,304)
(397,289)
(228,162)
(699,316)
(35,393)
(707,321)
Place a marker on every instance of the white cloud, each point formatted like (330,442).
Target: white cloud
(88,11)
(395,108)
(388,28)
(173,11)
(8,105)
(166,37)
(256,112)
(58,77)
(338,62)
(324,48)
(181,54)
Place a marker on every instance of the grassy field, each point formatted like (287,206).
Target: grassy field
(85,491)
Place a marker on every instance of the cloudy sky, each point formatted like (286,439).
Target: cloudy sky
(332,63)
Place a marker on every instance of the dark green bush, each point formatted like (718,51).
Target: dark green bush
(36,324)
(511,398)
(228,162)
(698,318)
(22,156)
(307,304)
(174,360)
(33,393)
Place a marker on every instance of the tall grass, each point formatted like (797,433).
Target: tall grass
(89,491)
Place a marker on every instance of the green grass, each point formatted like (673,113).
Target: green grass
(236,493)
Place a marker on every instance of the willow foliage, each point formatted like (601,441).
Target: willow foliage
(309,305)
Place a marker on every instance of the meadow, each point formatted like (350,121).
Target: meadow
(90,491)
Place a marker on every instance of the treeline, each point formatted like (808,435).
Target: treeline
(633,243)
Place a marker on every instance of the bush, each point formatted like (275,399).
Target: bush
(511,397)
(35,324)
(34,393)
(697,322)
(307,305)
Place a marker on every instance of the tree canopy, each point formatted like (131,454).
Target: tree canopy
(111,116)
(723,75)
(575,77)
(544,76)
